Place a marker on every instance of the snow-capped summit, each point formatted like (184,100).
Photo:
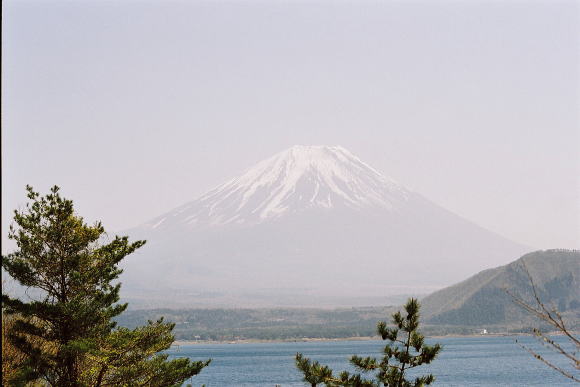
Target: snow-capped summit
(296,179)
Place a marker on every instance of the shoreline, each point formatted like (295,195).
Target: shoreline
(362,338)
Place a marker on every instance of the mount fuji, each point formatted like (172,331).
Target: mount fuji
(311,225)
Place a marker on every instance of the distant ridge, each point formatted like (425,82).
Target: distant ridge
(309,223)
(482,300)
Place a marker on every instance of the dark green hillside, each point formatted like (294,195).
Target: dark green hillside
(482,301)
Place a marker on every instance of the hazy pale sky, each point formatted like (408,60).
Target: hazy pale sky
(135,107)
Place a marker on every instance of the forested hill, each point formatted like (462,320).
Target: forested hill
(482,300)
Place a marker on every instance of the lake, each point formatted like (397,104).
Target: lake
(466,361)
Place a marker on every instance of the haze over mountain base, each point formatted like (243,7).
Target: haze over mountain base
(477,303)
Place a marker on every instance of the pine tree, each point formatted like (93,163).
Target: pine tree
(70,272)
(314,373)
(406,350)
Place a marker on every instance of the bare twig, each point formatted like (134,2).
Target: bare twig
(540,358)
(553,318)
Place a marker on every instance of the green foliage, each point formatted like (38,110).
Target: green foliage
(130,357)
(314,373)
(71,272)
(405,351)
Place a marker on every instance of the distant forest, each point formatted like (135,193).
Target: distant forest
(263,324)
(284,324)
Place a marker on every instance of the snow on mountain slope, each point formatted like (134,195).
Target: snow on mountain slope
(293,180)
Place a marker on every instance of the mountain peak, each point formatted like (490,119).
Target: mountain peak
(313,150)
(310,220)
(322,157)
(299,178)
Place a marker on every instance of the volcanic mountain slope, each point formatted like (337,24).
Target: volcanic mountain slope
(482,299)
(311,221)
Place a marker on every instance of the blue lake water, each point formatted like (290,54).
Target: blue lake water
(474,361)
